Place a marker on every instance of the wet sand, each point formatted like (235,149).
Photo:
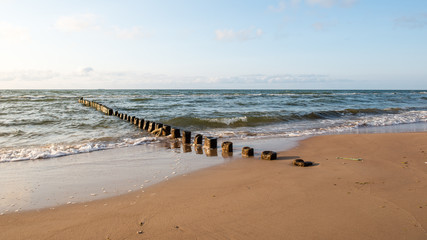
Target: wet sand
(384,196)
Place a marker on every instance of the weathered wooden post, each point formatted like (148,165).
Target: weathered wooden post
(211,142)
(175,144)
(227,147)
(141,123)
(211,152)
(269,155)
(247,152)
(166,130)
(301,163)
(152,126)
(146,125)
(157,129)
(186,137)
(198,139)
(158,125)
(226,154)
(198,149)
(175,133)
(186,148)
(298,162)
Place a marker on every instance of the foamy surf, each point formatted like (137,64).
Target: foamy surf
(59,150)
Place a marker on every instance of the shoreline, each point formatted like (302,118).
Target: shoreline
(381,197)
(47,183)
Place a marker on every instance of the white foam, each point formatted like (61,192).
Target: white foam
(229,121)
(318,127)
(58,150)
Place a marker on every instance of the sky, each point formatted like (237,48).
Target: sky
(213,44)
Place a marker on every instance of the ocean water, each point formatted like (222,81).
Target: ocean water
(42,124)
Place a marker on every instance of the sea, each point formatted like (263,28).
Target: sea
(46,130)
(42,124)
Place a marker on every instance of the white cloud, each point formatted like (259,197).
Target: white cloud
(86,70)
(295,2)
(77,23)
(279,8)
(411,22)
(133,79)
(348,3)
(269,79)
(331,3)
(13,33)
(129,33)
(85,22)
(28,75)
(323,3)
(283,5)
(319,26)
(241,35)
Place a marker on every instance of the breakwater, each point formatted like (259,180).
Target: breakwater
(155,128)
(160,129)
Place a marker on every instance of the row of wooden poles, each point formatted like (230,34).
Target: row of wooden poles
(160,129)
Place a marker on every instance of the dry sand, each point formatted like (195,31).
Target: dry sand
(382,197)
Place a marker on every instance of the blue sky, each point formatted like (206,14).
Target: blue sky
(289,44)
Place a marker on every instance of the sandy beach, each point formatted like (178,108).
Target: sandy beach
(384,196)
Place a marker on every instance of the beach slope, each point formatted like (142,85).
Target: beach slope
(384,196)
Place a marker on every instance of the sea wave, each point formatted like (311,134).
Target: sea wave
(350,111)
(59,150)
(140,99)
(220,122)
(253,119)
(326,126)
